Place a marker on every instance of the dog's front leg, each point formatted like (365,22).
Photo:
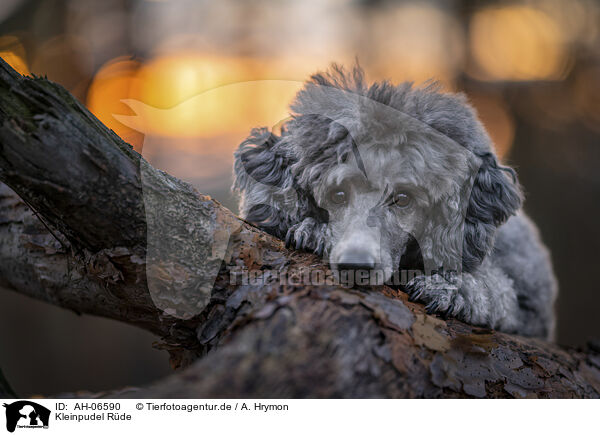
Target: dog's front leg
(309,235)
(485,297)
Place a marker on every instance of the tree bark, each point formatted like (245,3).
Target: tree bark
(88,225)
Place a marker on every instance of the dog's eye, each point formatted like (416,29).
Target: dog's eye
(338,197)
(401,200)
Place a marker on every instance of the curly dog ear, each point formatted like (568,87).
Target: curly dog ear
(262,177)
(462,225)
(462,234)
(495,196)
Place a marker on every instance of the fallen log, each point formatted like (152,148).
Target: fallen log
(88,225)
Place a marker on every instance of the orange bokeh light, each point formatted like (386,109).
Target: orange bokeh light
(13,53)
(415,42)
(115,81)
(189,95)
(517,43)
(497,119)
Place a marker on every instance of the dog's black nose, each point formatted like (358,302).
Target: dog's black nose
(356,260)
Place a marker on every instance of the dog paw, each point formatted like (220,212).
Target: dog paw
(309,235)
(299,235)
(439,295)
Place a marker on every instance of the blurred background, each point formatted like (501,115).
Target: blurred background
(531,68)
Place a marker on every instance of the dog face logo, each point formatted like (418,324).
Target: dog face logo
(26,415)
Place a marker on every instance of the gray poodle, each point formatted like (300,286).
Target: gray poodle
(388,179)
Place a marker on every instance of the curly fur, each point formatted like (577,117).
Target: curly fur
(483,258)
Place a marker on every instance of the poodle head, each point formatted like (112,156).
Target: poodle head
(395,170)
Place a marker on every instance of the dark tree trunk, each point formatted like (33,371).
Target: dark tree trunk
(84,233)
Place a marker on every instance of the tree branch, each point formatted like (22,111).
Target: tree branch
(112,236)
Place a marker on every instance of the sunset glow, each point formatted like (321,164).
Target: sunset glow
(13,53)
